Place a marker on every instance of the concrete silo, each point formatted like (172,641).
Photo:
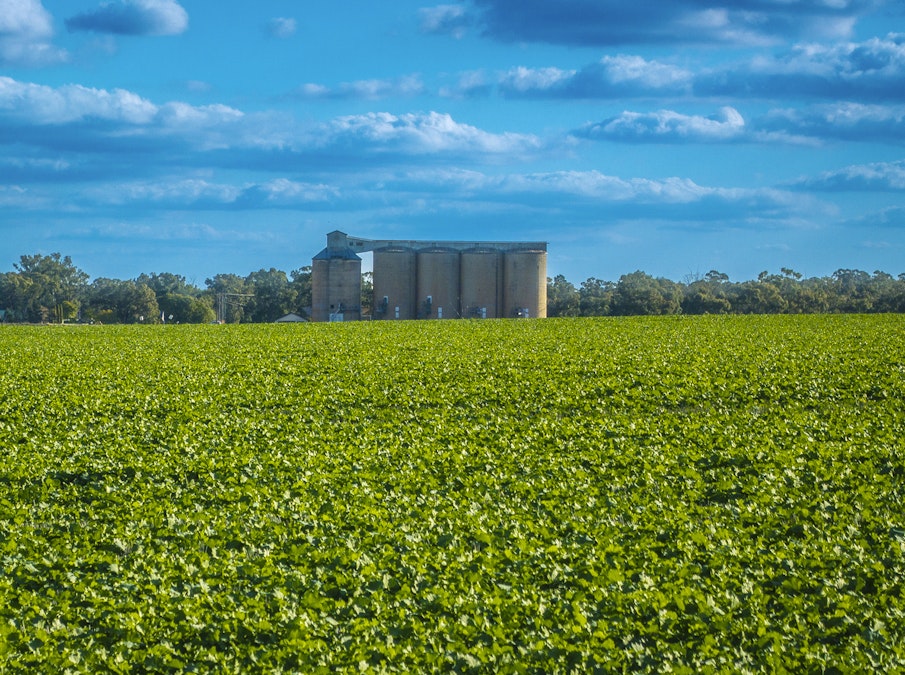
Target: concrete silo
(481,283)
(395,278)
(438,283)
(336,282)
(431,279)
(525,283)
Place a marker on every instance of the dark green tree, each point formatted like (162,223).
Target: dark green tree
(181,308)
(50,288)
(273,295)
(301,284)
(115,301)
(758,297)
(14,294)
(639,293)
(563,298)
(853,291)
(167,283)
(595,297)
(708,295)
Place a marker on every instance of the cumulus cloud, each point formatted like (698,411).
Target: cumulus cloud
(472,84)
(612,76)
(184,116)
(420,134)
(668,126)
(841,121)
(364,90)
(524,81)
(875,177)
(94,130)
(133,17)
(871,70)
(615,22)
(579,196)
(596,185)
(40,104)
(26,30)
(120,112)
(199,193)
(281,28)
(171,192)
(447,19)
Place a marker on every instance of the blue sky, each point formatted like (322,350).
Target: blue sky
(674,137)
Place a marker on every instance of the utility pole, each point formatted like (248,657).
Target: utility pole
(224,299)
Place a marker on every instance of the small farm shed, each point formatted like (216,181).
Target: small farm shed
(292,317)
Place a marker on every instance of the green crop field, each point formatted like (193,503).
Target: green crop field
(689,495)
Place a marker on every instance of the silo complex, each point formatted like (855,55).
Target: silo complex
(394,283)
(481,283)
(438,283)
(431,279)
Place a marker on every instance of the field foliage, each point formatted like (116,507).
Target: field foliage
(691,495)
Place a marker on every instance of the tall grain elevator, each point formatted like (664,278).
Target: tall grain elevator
(336,281)
(431,279)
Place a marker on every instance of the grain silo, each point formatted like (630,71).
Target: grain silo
(438,283)
(481,283)
(336,282)
(525,283)
(431,279)
(395,279)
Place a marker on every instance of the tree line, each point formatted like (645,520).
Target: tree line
(50,288)
(845,291)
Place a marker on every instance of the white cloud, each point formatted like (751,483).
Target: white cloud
(596,185)
(611,77)
(285,191)
(182,115)
(201,193)
(420,133)
(844,120)
(470,84)
(26,30)
(878,176)
(364,90)
(614,22)
(40,104)
(869,70)
(651,74)
(25,17)
(669,126)
(58,120)
(846,60)
(450,19)
(170,192)
(523,79)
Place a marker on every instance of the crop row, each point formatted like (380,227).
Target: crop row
(707,494)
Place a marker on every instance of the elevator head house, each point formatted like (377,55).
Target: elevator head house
(430,279)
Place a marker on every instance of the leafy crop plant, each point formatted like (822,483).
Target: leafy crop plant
(674,494)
